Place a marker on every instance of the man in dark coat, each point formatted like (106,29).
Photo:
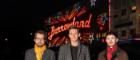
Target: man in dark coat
(112,52)
(73,50)
(40,51)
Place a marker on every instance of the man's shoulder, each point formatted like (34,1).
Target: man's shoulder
(84,46)
(50,51)
(30,50)
(103,52)
(64,46)
(68,45)
(121,51)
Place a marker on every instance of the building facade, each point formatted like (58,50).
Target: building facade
(125,18)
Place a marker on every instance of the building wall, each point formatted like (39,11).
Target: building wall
(138,17)
(125,22)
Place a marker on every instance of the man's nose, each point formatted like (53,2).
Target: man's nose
(111,40)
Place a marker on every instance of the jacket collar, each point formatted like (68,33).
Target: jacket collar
(43,56)
(79,50)
(114,55)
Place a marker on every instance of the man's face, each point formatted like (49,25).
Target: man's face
(39,40)
(111,40)
(74,35)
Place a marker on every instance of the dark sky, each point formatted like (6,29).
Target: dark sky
(28,13)
(20,18)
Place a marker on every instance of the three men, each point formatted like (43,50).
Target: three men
(74,50)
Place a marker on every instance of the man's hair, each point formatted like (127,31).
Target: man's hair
(40,32)
(74,27)
(112,33)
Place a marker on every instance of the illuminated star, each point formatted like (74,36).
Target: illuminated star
(92,2)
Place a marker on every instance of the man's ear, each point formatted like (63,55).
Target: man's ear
(45,40)
(68,35)
(117,39)
(34,40)
(79,35)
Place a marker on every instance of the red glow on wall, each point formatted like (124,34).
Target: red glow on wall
(109,13)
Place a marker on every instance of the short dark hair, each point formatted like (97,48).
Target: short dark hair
(40,32)
(111,33)
(74,27)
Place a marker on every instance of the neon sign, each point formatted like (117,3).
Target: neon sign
(80,15)
(79,24)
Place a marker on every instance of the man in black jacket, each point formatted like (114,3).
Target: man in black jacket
(73,50)
(40,51)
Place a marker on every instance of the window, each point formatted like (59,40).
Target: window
(132,32)
(123,33)
(123,12)
(115,16)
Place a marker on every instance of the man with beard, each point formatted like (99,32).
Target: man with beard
(40,51)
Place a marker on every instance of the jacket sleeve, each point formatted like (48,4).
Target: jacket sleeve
(27,55)
(99,56)
(60,54)
(53,57)
(87,54)
(125,56)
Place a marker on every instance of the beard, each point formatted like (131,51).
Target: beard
(39,44)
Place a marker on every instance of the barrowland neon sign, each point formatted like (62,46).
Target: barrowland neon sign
(80,16)
(79,24)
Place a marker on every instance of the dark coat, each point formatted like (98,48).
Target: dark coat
(119,54)
(65,52)
(48,55)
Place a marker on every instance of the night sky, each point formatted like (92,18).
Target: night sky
(25,14)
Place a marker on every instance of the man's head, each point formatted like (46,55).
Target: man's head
(74,33)
(111,39)
(40,38)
